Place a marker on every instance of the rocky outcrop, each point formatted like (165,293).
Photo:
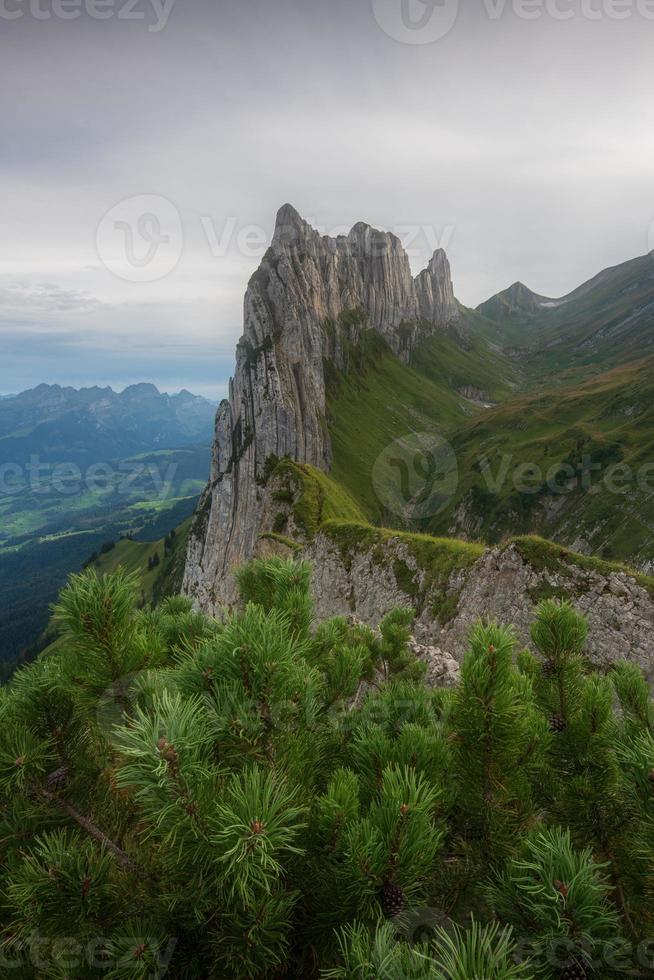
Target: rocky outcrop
(307,302)
(503,584)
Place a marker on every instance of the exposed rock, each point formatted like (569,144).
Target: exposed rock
(310,299)
(442,669)
(501,585)
(310,294)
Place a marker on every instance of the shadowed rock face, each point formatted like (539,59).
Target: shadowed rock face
(293,320)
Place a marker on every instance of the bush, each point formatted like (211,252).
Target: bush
(265,798)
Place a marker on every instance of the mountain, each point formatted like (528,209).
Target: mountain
(606,321)
(98,424)
(517,302)
(80,469)
(539,405)
(328,320)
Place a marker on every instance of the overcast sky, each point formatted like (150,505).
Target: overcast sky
(522,140)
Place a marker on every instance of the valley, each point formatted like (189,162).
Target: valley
(62,499)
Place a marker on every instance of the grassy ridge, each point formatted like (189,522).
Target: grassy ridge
(135,556)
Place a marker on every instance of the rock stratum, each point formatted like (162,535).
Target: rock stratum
(304,306)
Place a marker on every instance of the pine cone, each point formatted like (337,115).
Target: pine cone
(574,970)
(57,780)
(548,667)
(392,899)
(557,723)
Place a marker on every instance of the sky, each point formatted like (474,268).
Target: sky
(147,145)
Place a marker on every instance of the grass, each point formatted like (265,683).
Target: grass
(380,400)
(281,539)
(543,555)
(134,556)
(315,497)
(607,421)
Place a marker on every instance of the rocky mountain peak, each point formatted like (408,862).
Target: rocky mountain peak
(515,302)
(310,298)
(290,228)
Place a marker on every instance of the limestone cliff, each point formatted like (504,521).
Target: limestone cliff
(310,297)
(367,573)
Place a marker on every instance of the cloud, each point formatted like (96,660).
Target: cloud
(532,141)
(43,298)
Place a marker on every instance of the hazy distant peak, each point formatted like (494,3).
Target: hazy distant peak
(516,301)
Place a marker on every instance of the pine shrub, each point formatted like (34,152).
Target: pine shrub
(267,798)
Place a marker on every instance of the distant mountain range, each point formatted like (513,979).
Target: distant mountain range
(98,424)
(154,452)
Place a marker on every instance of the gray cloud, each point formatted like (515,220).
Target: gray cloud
(529,141)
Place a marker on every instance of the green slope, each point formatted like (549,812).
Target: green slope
(607,321)
(381,398)
(572,418)
(592,446)
(134,556)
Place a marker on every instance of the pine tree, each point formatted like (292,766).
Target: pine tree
(458,954)
(556,898)
(588,789)
(499,739)
(264,798)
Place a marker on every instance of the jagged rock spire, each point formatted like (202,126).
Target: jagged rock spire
(276,404)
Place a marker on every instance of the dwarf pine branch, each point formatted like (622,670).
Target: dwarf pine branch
(265,797)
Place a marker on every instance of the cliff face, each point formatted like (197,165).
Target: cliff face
(310,295)
(366,579)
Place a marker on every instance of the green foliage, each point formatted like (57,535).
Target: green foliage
(282,584)
(312,496)
(500,740)
(556,897)
(452,955)
(267,797)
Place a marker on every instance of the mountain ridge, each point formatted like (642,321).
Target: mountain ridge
(606,318)
(98,424)
(337,360)
(310,309)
